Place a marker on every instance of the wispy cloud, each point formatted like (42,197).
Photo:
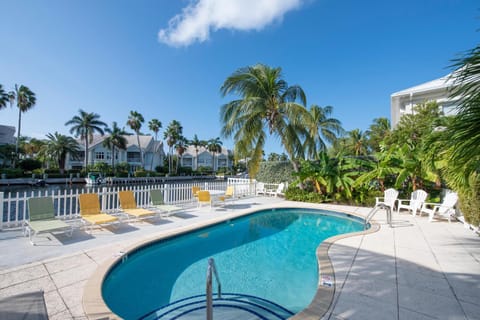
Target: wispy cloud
(201,17)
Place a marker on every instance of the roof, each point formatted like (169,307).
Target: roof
(440,83)
(145,141)
(191,151)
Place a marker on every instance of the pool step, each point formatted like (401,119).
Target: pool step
(230,306)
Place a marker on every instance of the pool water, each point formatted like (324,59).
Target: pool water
(270,254)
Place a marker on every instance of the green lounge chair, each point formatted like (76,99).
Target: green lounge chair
(156,197)
(42,218)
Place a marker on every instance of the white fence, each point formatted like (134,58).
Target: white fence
(14,208)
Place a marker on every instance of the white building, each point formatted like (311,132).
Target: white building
(402,102)
(204,158)
(7,135)
(153,153)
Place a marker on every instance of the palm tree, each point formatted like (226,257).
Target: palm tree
(115,140)
(25,99)
(321,128)
(154,125)
(357,142)
(214,145)
(58,146)
(377,132)
(4,98)
(196,143)
(135,121)
(84,126)
(181,146)
(266,105)
(171,134)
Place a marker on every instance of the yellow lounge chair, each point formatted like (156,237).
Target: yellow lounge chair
(90,211)
(229,194)
(204,198)
(195,190)
(129,205)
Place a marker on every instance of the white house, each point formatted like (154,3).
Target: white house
(7,134)
(402,102)
(153,153)
(204,158)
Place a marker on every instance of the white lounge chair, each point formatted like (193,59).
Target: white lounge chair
(413,204)
(389,198)
(444,209)
(277,192)
(260,188)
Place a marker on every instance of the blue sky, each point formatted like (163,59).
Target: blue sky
(167,59)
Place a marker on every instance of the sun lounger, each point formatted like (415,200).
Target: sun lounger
(204,198)
(156,197)
(129,206)
(90,211)
(42,218)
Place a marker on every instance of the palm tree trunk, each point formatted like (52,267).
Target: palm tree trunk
(141,153)
(113,160)
(18,136)
(86,154)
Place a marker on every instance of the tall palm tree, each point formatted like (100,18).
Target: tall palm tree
(84,126)
(4,98)
(58,146)
(135,121)
(322,129)
(214,146)
(266,105)
(154,125)
(171,135)
(181,146)
(357,142)
(25,100)
(377,132)
(115,140)
(196,143)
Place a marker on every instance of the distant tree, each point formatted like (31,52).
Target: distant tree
(84,126)
(4,98)
(322,129)
(181,145)
(267,105)
(58,146)
(357,142)
(196,143)
(378,131)
(135,121)
(214,145)
(115,140)
(171,135)
(25,100)
(154,125)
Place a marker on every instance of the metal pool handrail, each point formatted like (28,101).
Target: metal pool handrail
(212,269)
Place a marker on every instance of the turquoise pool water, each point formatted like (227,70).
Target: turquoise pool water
(269,254)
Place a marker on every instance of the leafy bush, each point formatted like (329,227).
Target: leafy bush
(275,172)
(12,173)
(297,194)
(30,164)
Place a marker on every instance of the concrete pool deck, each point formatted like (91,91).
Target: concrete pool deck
(414,270)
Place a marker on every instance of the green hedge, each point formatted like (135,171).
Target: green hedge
(275,172)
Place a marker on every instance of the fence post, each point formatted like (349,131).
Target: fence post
(104,199)
(1,210)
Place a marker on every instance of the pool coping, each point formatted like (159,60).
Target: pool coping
(95,307)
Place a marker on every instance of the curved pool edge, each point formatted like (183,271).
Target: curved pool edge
(95,307)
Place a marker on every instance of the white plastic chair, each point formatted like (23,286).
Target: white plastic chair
(444,209)
(260,188)
(415,202)
(389,198)
(279,190)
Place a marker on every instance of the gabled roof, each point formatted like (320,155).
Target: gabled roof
(146,142)
(440,83)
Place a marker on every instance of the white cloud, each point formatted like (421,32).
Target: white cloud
(201,17)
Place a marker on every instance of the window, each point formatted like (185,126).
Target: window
(133,157)
(99,155)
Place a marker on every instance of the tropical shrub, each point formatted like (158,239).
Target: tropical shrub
(296,194)
(275,172)
(30,164)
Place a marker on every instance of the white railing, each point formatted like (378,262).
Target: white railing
(14,208)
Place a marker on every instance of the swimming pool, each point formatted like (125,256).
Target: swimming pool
(269,255)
